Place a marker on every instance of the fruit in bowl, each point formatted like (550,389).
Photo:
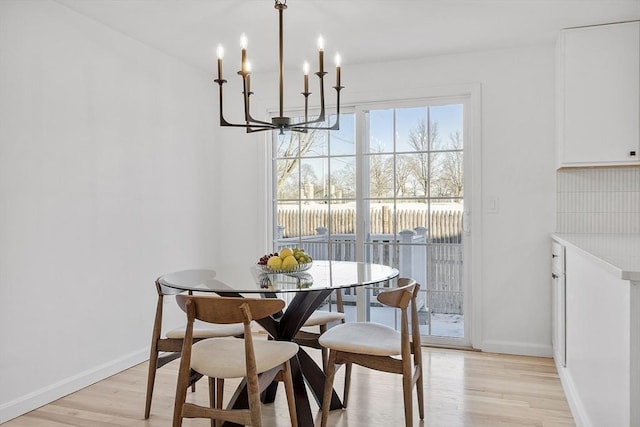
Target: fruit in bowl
(286,260)
(274,262)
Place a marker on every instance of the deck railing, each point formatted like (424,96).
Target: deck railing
(437,264)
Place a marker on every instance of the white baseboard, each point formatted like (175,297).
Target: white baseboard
(519,348)
(575,404)
(48,394)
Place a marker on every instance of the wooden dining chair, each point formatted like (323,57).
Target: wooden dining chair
(377,347)
(167,349)
(259,361)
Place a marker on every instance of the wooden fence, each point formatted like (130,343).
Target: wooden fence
(434,257)
(443,225)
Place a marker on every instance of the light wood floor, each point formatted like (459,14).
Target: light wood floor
(462,388)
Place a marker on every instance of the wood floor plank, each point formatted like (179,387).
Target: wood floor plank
(462,389)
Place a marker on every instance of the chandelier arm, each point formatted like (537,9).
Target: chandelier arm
(245,95)
(223,121)
(300,127)
(321,115)
(306,106)
(249,126)
(336,125)
(249,120)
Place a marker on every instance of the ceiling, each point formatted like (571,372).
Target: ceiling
(362,31)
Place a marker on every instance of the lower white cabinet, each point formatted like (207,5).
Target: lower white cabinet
(601,369)
(558,304)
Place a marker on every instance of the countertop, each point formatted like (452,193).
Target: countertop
(620,251)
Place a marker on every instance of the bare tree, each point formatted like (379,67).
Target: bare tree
(380,176)
(453,171)
(421,139)
(291,147)
(450,174)
(345,180)
(403,175)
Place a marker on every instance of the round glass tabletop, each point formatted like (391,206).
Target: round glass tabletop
(321,276)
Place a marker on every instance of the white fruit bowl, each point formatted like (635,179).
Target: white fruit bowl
(297,269)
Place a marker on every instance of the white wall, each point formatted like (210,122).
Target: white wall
(105,183)
(517,168)
(111,160)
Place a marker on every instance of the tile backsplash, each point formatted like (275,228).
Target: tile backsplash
(598,200)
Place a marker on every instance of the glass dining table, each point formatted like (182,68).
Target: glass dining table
(308,289)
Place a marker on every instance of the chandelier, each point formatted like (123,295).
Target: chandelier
(281,122)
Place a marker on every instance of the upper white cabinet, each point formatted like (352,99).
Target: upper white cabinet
(598,115)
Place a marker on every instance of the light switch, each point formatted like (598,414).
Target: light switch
(492,205)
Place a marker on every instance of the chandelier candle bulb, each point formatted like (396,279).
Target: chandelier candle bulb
(243,45)
(321,53)
(337,59)
(305,69)
(220,54)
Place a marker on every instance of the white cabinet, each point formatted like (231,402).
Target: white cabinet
(558,319)
(598,95)
(601,329)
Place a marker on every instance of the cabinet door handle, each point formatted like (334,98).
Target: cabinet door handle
(554,256)
(554,276)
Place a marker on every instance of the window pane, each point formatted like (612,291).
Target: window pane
(313,143)
(287,144)
(343,178)
(406,183)
(416,137)
(380,131)
(411,214)
(448,121)
(288,182)
(342,142)
(446,176)
(288,220)
(410,125)
(343,220)
(314,178)
(380,176)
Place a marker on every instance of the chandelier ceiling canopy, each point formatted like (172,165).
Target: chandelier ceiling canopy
(281,122)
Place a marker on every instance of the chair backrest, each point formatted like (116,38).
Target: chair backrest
(400,297)
(229,309)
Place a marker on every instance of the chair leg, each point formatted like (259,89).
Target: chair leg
(219,397)
(288,388)
(328,387)
(323,350)
(420,391)
(151,379)
(417,364)
(181,396)
(347,384)
(212,398)
(407,385)
(153,353)
(255,410)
